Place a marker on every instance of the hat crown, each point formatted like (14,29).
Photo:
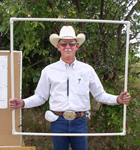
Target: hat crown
(67,31)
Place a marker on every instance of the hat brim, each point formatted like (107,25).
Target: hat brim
(54,39)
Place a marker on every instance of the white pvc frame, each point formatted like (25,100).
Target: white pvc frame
(68,20)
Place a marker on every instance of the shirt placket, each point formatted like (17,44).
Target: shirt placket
(68,72)
(68,80)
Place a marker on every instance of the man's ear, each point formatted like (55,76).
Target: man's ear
(77,46)
(58,47)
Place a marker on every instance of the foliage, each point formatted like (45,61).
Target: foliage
(104,48)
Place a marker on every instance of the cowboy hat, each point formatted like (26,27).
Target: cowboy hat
(66,32)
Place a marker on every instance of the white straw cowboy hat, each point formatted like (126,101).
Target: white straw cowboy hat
(66,32)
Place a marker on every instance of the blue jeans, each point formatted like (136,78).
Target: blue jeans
(78,125)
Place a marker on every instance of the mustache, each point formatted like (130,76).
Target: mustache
(68,50)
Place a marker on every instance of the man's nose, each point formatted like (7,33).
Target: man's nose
(67,46)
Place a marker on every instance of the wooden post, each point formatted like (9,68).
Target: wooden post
(17,148)
(8,141)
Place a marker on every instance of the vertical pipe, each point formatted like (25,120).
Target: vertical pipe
(126,75)
(21,98)
(12,71)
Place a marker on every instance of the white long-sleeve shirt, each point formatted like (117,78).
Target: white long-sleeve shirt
(67,88)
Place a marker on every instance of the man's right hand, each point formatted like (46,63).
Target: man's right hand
(15,103)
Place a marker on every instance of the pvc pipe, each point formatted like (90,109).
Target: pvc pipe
(68,20)
(20,98)
(69,134)
(126,75)
(12,73)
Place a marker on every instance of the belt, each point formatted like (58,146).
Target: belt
(70,115)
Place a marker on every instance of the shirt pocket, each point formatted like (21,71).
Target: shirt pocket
(82,86)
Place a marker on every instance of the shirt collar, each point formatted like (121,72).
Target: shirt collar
(64,65)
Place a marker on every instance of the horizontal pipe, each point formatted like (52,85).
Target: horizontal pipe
(69,134)
(69,20)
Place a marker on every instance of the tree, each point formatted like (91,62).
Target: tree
(104,47)
(110,37)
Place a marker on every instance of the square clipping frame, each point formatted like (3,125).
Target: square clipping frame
(127,23)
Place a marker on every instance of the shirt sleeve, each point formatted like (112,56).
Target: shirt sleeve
(98,91)
(33,101)
(41,93)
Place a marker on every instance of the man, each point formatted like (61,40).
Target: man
(67,84)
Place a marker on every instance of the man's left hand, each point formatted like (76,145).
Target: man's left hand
(124,98)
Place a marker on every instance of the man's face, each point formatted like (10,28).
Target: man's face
(68,48)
